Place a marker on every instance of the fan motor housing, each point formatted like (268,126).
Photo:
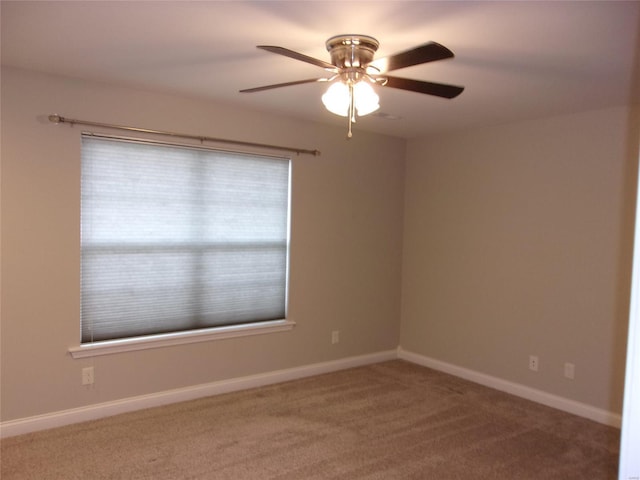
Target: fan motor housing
(352,51)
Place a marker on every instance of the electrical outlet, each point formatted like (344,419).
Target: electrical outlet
(335,337)
(569,371)
(87,376)
(533,363)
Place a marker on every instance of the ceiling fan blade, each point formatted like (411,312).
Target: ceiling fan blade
(297,56)
(429,52)
(437,89)
(278,85)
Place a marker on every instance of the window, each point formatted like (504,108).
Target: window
(177,238)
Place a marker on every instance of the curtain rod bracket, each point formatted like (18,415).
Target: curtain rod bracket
(57,119)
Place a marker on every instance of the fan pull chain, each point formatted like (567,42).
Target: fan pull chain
(352,111)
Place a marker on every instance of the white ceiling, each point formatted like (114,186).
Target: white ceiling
(517,60)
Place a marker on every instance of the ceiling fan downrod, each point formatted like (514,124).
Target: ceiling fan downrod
(352,51)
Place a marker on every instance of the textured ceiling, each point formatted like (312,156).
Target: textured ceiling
(516,60)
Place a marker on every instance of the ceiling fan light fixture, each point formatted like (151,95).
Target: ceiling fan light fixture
(337,99)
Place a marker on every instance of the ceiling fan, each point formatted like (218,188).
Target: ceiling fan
(354,72)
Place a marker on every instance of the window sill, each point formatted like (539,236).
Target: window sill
(179,338)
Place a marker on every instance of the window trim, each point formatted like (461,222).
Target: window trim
(131,344)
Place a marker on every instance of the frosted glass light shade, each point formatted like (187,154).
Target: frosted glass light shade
(366,99)
(336,99)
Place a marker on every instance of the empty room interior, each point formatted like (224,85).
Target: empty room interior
(477,224)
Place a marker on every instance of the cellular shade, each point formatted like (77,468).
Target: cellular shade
(176,238)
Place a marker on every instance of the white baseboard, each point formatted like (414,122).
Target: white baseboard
(107,409)
(101,410)
(560,403)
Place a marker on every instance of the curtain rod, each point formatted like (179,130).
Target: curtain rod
(55,118)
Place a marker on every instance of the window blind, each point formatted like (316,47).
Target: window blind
(176,238)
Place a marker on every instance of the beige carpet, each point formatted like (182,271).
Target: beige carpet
(392,420)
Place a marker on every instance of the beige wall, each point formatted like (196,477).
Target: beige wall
(345,254)
(517,241)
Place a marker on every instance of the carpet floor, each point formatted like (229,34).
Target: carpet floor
(392,420)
